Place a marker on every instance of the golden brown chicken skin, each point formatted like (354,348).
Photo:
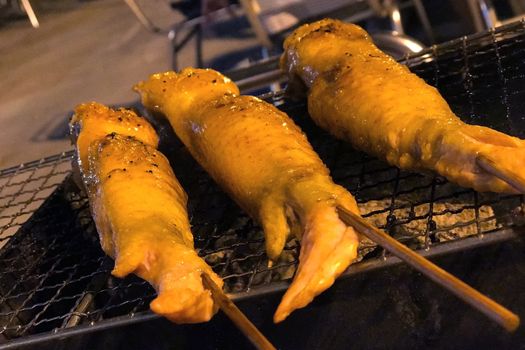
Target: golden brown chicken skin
(264,161)
(360,94)
(139,209)
(92,121)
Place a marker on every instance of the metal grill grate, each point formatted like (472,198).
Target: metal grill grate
(54,276)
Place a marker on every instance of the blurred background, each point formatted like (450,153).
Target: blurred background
(55,54)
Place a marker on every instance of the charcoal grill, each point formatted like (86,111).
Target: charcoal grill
(55,281)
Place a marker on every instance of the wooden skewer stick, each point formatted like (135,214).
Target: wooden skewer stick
(492,168)
(489,307)
(236,315)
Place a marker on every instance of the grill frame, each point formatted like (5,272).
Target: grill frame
(379,261)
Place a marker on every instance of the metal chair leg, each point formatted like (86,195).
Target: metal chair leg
(423,18)
(30,13)
(173,35)
(394,14)
(198,46)
(488,13)
(251,9)
(146,22)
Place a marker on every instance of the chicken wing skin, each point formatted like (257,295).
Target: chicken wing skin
(139,209)
(360,94)
(93,121)
(263,160)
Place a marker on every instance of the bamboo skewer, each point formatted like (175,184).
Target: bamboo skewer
(236,316)
(482,303)
(492,168)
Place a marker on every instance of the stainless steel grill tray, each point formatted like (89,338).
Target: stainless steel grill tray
(55,281)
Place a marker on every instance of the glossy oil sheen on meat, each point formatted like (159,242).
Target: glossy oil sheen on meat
(139,209)
(360,94)
(264,161)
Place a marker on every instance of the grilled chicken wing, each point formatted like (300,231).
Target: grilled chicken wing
(264,161)
(360,94)
(139,209)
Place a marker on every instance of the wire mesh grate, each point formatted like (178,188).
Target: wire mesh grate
(53,274)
